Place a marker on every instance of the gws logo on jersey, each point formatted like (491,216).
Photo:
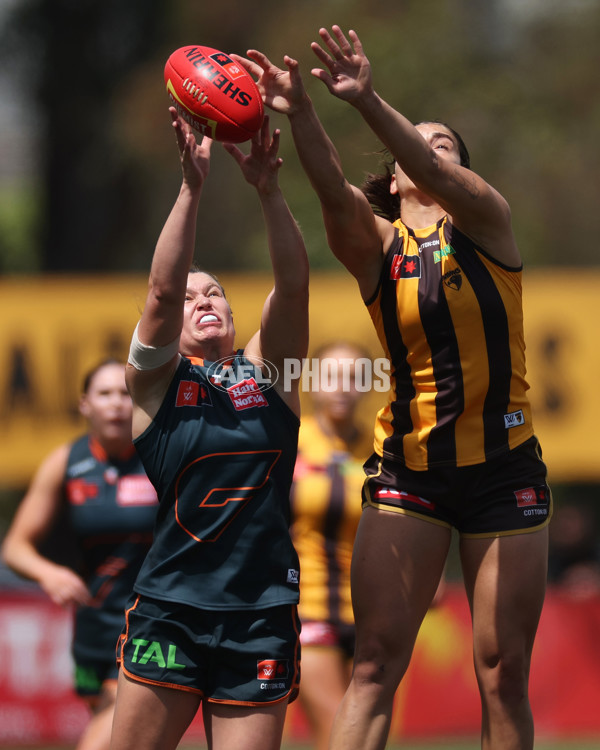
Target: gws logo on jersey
(405,267)
(514,419)
(227,372)
(191,393)
(453,279)
(246,395)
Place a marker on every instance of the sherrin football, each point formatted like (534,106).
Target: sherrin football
(213,93)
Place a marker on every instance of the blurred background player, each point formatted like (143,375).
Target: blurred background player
(97,483)
(574,551)
(326,506)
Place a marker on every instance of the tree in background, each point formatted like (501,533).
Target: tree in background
(528,104)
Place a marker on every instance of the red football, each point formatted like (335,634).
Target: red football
(215,94)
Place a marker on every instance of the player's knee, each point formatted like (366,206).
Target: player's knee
(504,679)
(379,664)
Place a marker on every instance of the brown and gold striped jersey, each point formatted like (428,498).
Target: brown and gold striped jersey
(450,320)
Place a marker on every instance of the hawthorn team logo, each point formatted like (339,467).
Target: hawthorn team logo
(453,279)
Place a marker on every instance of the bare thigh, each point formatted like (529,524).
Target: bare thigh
(150,717)
(325,677)
(248,727)
(505,580)
(96,735)
(397,563)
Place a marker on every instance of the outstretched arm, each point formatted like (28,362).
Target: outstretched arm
(162,318)
(355,235)
(35,515)
(475,207)
(284,324)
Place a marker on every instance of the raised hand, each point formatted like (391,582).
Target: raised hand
(349,76)
(281,90)
(195,157)
(261,165)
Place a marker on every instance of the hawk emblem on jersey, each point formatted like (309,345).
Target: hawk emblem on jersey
(191,393)
(514,419)
(405,267)
(453,279)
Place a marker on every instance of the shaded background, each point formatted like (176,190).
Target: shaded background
(88,167)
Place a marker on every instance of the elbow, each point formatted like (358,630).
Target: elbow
(164,294)
(6,553)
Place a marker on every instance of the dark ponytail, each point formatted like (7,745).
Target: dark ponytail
(376,188)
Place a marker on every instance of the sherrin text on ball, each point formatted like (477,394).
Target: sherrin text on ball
(214,93)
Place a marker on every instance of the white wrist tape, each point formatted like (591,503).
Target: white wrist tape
(144,357)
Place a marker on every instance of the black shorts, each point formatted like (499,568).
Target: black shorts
(239,657)
(506,495)
(91,674)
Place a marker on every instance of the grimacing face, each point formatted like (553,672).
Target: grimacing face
(207,317)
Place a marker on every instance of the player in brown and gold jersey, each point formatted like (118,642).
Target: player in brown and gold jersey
(333,444)
(440,272)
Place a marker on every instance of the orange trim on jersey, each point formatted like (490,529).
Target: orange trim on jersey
(199,361)
(242,500)
(173,685)
(99,453)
